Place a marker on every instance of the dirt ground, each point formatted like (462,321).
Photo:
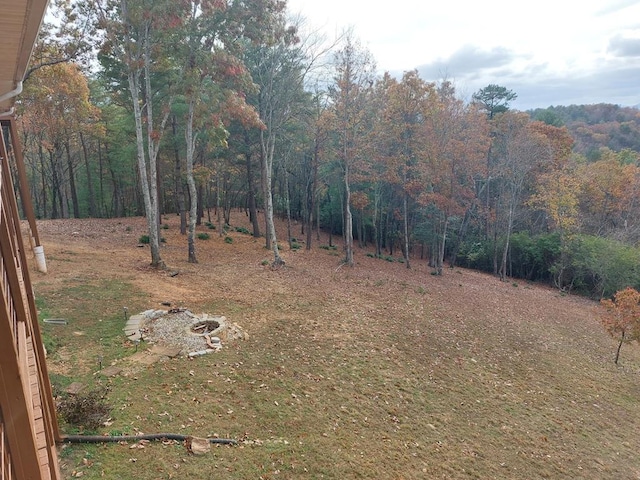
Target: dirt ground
(459,376)
(110,248)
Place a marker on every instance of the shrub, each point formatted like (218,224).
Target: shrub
(145,239)
(203,236)
(295,246)
(228,240)
(88,410)
(243,230)
(165,226)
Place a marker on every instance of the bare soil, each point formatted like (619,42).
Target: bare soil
(375,371)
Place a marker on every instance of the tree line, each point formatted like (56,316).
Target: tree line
(199,107)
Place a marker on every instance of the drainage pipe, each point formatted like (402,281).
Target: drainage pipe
(13,93)
(135,438)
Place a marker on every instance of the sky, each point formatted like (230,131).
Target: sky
(549,52)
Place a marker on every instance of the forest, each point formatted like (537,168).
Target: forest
(201,108)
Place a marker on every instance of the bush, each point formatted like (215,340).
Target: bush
(243,230)
(295,246)
(598,266)
(228,240)
(88,410)
(210,226)
(145,239)
(203,236)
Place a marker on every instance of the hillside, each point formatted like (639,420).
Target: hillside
(375,371)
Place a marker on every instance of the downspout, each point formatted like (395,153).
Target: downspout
(13,93)
(38,250)
(6,96)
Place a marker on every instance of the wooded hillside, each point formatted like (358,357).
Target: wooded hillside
(196,108)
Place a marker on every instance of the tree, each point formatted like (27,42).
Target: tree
(621,318)
(494,99)
(55,112)
(214,82)
(135,48)
(280,66)
(457,137)
(353,84)
(520,150)
(400,143)
(278,69)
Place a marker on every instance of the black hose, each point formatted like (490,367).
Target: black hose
(135,438)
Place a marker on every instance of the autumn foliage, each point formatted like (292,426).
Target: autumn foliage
(622,317)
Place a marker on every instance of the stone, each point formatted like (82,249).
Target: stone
(111,371)
(145,358)
(198,446)
(170,352)
(74,388)
(134,336)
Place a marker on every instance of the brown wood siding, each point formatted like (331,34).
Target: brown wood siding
(28,426)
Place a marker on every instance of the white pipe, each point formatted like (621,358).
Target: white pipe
(41,262)
(13,93)
(8,113)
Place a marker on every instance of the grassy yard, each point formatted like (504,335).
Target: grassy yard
(371,372)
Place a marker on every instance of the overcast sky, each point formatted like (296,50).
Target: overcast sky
(549,52)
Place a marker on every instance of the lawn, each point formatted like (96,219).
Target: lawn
(375,371)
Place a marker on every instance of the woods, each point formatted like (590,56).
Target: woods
(200,108)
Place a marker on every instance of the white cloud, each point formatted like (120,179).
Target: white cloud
(557,52)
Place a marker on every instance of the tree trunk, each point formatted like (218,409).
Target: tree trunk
(268,145)
(251,197)
(406,229)
(178,183)
(55,187)
(503,265)
(461,236)
(193,194)
(618,350)
(441,249)
(147,177)
(101,177)
(72,182)
(41,155)
(311,195)
(348,219)
(92,199)
(288,206)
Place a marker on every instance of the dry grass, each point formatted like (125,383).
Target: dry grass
(371,372)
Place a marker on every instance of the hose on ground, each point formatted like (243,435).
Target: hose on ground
(135,438)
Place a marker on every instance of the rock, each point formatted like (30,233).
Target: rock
(198,446)
(110,371)
(74,388)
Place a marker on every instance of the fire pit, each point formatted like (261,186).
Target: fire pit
(205,327)
(193,334)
